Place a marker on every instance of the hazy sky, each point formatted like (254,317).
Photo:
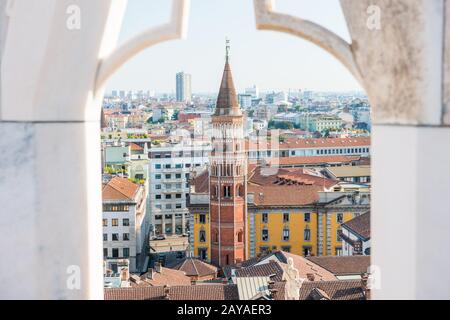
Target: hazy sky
(271,60)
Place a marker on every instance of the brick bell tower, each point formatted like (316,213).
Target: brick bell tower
(228,176)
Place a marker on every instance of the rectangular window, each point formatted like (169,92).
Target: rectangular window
(105,222)
(126,252)
(157,166)
(105,237)
(126,237)
(115,237)
(178,206)
(178,176)
(263,250)
(168,196)
(202,236)
(286,248)
(340,217)
(202,218)
(178,196)
(168,176)
(168,206)
(167,166)
(158,197)
(307,251)
(115,222)
(115,253)
(265,217)
(179,166)
(203,253)
(338,235)
(339,252)
(126,222)
(158,187)
(227,191)
(286,235)
(157,176)
(285,217)
(307,235)
(105,252)
(307,217)
(265,235)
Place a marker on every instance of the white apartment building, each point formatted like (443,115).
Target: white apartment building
(355,146)
(356,236)
(124,221)
(170,169)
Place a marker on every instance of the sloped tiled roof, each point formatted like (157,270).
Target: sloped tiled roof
(119,189)
(135,147)
(343,265)
(262,270)
(165,277)
(294,143)
(227,102)
(305,267)
(317,160)
(335,290)
(195,267)
(360,225)
(188,292)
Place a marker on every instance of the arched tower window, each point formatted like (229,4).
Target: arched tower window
(240,236)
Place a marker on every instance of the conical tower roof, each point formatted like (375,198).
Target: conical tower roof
(227,102)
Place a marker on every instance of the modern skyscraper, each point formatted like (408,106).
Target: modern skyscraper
(184,93)
(228,176)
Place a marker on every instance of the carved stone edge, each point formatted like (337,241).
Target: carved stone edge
(175,29)
(268,19)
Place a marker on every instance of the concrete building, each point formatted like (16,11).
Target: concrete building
(253,91)
(124,221)
(296,211)
(170,168)
(245,100)
(355,236)
(183,87)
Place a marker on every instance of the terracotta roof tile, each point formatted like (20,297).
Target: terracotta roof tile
(335,290)
(166,277)
(135,147)
(262,270)
(190,292)
(360,225)
(195,267)
(343,265)
(295,143)
(305,267)
(119,189)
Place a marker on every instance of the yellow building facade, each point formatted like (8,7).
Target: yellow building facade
(301,231)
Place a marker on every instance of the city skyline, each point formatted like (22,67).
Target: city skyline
(299,64)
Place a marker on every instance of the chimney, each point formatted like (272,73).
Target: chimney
(150,273)
(158,267)
(365,285)
(166,292)
(124,274)
(311,277)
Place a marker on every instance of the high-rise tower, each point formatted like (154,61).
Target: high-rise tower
(228,176)
(184,91)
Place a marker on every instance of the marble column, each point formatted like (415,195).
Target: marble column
(399,52)
(50,177)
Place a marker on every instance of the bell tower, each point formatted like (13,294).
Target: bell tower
(228,176)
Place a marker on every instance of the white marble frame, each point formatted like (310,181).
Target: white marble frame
(408,135)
